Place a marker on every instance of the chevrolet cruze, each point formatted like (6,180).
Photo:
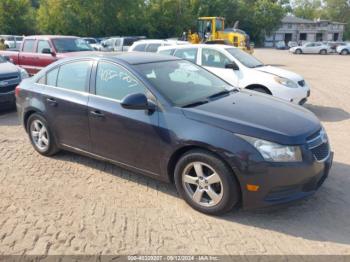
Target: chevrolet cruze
(172,120)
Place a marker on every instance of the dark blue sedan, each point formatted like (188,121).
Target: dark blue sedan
(173,120)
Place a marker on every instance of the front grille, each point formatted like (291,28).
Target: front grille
(318,145)
(7,89)
(13,77)
(301,82)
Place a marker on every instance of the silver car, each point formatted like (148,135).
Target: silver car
(311,48)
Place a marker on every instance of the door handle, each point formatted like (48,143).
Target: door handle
(97,113)
(51,101)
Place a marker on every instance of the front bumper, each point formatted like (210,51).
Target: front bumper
(7,99)
(284,183)
(297,96)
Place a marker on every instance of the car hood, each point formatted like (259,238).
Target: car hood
(280,72)
(8,69)
(258,115)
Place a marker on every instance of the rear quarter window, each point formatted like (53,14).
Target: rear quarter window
(28,46)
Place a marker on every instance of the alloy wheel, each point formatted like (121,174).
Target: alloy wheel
(39,134)
(202,184)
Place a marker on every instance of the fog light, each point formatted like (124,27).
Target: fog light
(253,188)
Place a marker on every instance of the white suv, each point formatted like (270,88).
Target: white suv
(243,70)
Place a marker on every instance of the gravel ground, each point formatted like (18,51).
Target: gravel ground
(71,204)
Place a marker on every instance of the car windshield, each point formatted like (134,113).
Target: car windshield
(90,40)
(64,45)
(246,59)
(183,83)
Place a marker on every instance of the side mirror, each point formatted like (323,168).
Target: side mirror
(8,59)
(137,101)
(48,51)
(232,66)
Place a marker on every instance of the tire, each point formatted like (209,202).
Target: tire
(298,51)
(45,144)
(323,52)
(344,52)
(214,196)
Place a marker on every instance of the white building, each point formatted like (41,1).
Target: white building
(300,30)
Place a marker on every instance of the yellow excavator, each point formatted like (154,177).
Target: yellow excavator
(211,30)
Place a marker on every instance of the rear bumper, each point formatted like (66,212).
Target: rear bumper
(285,184)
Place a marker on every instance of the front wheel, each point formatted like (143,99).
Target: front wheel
(323,52)
(40,135)
(298,51)
(206,183)
(344,52)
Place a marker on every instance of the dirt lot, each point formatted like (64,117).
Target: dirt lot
(71,204)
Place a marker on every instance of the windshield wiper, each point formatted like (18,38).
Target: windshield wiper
(222,93)
(261,65)
(197,103)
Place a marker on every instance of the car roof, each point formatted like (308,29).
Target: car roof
(49,36)
(132,58)
(214,46)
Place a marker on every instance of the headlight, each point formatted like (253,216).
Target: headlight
(285,82)
(274,152)
(24,73)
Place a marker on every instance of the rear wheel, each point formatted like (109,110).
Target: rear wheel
(40,135)
(323,52)
(344,52)
(206,183)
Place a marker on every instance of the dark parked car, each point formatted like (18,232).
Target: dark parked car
(10,77)
(173,120)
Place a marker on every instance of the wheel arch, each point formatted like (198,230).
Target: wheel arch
(253,86)
(183,150)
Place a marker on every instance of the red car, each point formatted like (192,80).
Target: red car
(36,52)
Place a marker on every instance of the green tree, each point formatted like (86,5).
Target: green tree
(16,17)
(308,9)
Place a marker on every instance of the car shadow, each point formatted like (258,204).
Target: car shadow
(8,117)
(328,114)
(323,217)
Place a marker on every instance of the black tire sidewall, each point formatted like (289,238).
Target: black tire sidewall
(298,51)
(231,190)
(52,149)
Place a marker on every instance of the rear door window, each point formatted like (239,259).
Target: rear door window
(74,76)
(153,48)
(189,54)
(28,46)
(140,47)
(167,52)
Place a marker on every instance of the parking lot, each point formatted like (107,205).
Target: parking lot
(70,204)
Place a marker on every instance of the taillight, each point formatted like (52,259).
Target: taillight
(17,90)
